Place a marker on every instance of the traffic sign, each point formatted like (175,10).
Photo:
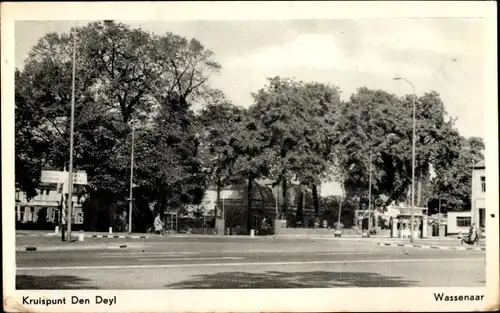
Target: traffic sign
(61,177)
(80,178)
(52,177)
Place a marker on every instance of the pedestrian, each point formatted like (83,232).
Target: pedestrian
(158,224)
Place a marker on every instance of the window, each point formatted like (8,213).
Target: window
(31,214)
(463,221)
(481,217)
(55,215)
(483,184)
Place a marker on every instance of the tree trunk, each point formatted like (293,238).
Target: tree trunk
(218,197)
(285,198)
(300,207)
(315,200)
(249,208)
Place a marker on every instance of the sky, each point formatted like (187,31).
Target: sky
(443,55)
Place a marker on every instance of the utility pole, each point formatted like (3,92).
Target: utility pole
(370,195)
(71,143)
(130,204)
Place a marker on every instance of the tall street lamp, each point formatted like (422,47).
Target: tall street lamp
(130,204)
(412,234)
(71,142)
(370,193)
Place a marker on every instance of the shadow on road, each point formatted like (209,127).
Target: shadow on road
(52,282)
(274,279)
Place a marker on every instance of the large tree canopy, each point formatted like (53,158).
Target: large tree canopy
(218,127)
(124,76)
(296,122)
(295,131)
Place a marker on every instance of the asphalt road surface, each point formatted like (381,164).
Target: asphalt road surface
(246,263)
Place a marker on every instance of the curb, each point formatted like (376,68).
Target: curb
(118,236)
(65,248)
(86,236)
(432,247)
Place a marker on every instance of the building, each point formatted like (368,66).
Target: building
(458,222)
(478,205)
(45,205)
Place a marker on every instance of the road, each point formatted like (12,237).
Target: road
(249,263)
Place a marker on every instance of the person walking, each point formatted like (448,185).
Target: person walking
(158,224)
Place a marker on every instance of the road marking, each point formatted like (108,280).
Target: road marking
(244,264)
(433,247)
(188,259)
(342,252)
(121,254)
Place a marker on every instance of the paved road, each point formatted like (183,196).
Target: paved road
(245,263)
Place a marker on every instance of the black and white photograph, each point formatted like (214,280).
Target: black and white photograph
(249,154)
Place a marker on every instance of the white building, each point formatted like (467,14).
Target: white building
(478,195)
(458,222)
(47,200)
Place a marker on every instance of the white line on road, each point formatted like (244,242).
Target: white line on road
(244,264)
(187,259)
(121,254)
(345,252)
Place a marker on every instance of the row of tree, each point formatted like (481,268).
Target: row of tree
(294,132)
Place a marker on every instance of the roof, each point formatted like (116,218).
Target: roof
(479,164)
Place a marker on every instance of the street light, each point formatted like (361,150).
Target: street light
(131,182)
(413,159)
(370,193)
(71,142)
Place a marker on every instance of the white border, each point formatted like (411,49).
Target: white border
(355,299)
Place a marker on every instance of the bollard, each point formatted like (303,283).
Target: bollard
(56,230)
(110,230)
(80,236)
(252,233)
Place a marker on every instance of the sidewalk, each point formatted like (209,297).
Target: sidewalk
(41,233)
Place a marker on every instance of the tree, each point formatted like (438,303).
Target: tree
(123,76)
(381,123)
(370,124)
(218,128)
(317,149)
(452,184)
(297,123)
(168,163)
(254,158)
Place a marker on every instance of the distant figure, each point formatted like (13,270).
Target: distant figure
(264,224)
(472,238)
(158,224)
(316,224)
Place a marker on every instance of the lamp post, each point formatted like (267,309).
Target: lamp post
(71,144)
(130,204)
(370,194)
(413,160)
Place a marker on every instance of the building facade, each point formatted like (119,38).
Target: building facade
(459,222)
(44,209)
(478,204)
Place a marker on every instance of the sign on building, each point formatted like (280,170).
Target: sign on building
(61,178)
(52,177)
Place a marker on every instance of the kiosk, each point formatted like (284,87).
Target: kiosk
(401,224)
